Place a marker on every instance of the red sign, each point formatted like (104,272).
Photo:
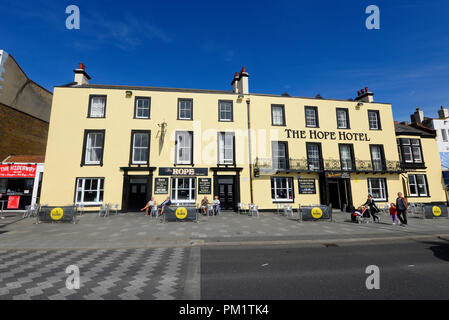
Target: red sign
(13,202)
(17,171)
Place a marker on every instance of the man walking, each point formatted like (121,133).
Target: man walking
(402,207)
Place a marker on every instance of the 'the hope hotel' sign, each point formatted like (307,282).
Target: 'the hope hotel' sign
(326,135)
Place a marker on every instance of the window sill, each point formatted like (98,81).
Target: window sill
(282,201)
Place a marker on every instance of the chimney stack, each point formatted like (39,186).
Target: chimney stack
(243,86)
(235,83)
(418,116)
(81,76)
(443,113)
(365,96)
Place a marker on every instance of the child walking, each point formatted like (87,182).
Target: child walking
(394,213)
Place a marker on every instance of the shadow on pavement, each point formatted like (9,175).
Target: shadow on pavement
(440,249)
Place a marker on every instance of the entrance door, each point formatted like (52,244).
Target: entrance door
(226,193)
(339,193)
(137,194)
(334,194)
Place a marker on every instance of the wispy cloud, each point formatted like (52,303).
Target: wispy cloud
(127,33)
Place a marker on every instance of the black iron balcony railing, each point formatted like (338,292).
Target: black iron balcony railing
(267,166)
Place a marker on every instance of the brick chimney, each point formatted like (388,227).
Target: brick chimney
(443,113)
(81,76)
(365,96)
(418,116)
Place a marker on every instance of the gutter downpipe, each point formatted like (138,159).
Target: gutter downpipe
(249,151)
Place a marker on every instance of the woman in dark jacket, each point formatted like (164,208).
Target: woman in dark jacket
(373,210)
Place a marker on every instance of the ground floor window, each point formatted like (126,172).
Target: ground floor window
(378,189)
(282,189)
(418,185)
(183,189)
(89,191)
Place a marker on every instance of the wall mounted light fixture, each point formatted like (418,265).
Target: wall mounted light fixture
(129,94)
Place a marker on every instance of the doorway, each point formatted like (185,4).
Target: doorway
(339,193)
(137,194)
(226,193)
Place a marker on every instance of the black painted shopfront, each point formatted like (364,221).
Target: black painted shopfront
(137,188)
(227,186)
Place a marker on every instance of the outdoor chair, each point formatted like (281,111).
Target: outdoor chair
(104,210)
(279,208)
(210,210)
(240,208)
(253,210)
(80,209)
(154,211)
(115,208)
(27,212)
(288,209)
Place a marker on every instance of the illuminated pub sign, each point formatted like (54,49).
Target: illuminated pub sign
(17,171)
(183,171)
(326,135)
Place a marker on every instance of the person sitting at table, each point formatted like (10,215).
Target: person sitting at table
(216,205)
(167,202)
(149,206)
(204,204)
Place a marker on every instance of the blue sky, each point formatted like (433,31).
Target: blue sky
(300,47)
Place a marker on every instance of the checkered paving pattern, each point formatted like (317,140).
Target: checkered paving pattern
(151,274)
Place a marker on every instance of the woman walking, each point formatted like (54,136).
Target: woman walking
(371,205)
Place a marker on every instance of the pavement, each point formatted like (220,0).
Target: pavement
(135,230)
(131,256)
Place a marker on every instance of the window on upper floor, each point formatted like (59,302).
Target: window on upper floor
(374,120)
(346,157)
(342,118)
(311,115)
(185,109)
(279,151)
(140,151)
(184,147)
(225,148)
(142,108)
(93,147)
(277,115)
(410,150)
(418,185)
(97,106)
(225,111)
(377,157)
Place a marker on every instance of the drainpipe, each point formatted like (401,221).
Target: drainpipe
(249,152)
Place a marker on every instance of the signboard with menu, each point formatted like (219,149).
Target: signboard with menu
(161,186)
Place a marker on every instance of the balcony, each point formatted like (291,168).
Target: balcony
(264,166)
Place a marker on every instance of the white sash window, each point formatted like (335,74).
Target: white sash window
(94,148)
(184,143)
(97,107)
(89,191)
(225,148)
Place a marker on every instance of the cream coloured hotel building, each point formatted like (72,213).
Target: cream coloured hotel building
(123,145)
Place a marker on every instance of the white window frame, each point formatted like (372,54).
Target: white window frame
(142,108)
(90,149)
(346,163)
(288,188)
(413,181)
(223,146)
(191,188)
(374,123)
(222,106)
(140,147)
(382,188)
(82,189)
(308,111)
(342,123)
(181,147)
(97,111)
(182,107)
(277,114)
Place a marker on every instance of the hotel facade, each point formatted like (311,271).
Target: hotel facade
(123,145)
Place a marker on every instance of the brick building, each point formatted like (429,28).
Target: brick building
(24,111)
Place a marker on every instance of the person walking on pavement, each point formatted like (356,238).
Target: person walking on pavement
(371,205)
(402,207)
